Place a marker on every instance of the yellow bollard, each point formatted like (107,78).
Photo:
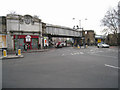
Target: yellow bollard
(78,46)
(4,53)
(19,51)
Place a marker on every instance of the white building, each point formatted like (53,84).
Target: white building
(18,27)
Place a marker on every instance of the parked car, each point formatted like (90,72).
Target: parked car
(63,44)
(58,45)
(103,45)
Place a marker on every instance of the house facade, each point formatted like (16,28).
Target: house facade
(89,37)
(23,31)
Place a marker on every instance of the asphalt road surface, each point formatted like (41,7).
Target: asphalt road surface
(63,68)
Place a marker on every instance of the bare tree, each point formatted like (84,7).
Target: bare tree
(119,15)
(110,21)
(35,16)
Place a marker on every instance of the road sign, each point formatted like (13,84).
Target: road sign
(99,40)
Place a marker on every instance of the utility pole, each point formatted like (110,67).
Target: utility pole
(80,24)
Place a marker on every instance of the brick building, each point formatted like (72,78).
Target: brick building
(89,37)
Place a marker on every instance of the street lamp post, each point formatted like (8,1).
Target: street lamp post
(40,35)
(74,25)
(83,37)
(39,44)
(82,31)
(82,34)
(80,23)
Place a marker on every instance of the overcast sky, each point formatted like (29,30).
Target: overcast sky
(62,12)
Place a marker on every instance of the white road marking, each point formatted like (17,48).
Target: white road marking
(100,51)
(112,66)
(91,50)
(63,54)
(72,54)
(81,53)
(76,53)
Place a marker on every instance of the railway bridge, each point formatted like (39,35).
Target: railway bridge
(63,32)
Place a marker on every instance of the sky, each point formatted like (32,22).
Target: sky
(62,12)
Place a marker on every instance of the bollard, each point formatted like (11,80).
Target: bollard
(19,51)
(78,46)
(4,53)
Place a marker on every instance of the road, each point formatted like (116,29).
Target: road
(63,68)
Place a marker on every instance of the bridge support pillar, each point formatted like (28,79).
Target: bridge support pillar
(77,41)
(50,41)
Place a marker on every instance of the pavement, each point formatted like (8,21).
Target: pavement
(12,54)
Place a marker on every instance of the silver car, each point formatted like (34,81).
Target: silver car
(103,45)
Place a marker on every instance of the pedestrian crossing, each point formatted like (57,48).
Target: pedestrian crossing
(69,54)
(90,51)
(70,51)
